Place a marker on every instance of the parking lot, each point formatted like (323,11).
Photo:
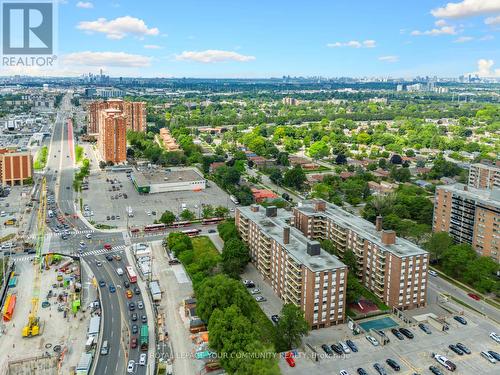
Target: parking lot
(413,355)
(113,202)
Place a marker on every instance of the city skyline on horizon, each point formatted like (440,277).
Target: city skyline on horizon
(241,40)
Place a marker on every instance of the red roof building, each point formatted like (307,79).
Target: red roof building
(260,195)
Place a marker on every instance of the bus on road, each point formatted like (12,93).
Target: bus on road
(144,338)
(132,276)
(191,232)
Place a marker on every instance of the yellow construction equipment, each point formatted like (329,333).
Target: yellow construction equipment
(33,326)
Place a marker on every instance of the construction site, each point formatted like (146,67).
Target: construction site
(44,324)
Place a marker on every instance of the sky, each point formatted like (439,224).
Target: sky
(243,38)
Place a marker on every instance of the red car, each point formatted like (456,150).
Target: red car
(289,359)
(474,296)
(107,246)
(133,342)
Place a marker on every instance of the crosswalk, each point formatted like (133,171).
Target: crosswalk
(32,236)
(84,254)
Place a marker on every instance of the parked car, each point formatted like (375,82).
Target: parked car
(327,349)
(289,359)
(460,319)
(255,291)
(407,332)
(456,349)
(393,364)
(249,283)
(337,349)
(488,356)
(380,369)
(445,362)
(260,298)
(372,340)
(343,372)
(398,334)
(361,371)
(345,348)
(275,318)
(433,273)
(424,328)
(463,348)
(495,336)
(435,370)
(352,345)
(494,355)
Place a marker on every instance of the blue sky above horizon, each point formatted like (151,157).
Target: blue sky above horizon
(237,38)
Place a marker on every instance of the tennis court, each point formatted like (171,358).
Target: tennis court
(378,324)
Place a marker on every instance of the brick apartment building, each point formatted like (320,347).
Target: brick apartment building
(485,176)
(470,216)
(15,167)
(112,136)
(299,271)
(393,268)
(134,113)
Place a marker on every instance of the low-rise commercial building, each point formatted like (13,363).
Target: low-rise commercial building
(469,215)
(161,180)
(299,271)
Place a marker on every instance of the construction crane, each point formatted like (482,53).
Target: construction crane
(33,326)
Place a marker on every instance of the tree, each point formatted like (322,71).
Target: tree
(102,164)
(207,211)
(227,230)
(221,211)
(341,159)
(438,244)
(282,159)
(276,176)
(354,288)
(167,217)
(457,258)
(382,163)
(179,242)
(290,328)
(235,257)
(400,174)
(479,274)
(187,215)
(329,247)
(319,150)
(349,259)
(396,159)
(294,177)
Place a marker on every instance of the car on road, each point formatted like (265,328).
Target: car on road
(275,318)
(131,363)
(337,349)
(98,263)
(463,348)
(372,340)
(109,258)
(88,236)
(134,329)
(107,217)
(131,306)
(105,347)
(435,370)
(406,332)
(112,288)
(380,369)
(82,244)
(327,349)
(137,291)
(102,283)
(488,356)
(140,305)
(460,319)
(117,257)
(126,284)
(474,296)
(255,291)
(260,298)
(495,336)
(393,364)
(433,273)
(128,293)
(398,334)
(212,231)
(494,355)
(424,328)
(133,317)
(144,319)
(352,345)
(107,246)
(142,359)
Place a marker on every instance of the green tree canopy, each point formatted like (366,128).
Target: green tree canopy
(291,327)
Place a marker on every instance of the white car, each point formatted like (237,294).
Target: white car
(372,340)
(88,236)
(344,372)
(82,244)
(255,291)
(495,337)
(344,347)
(142,359)
(433,273)
(131,366)
(445,362)
(488,356)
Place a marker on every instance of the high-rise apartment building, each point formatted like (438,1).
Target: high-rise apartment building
(112,136)
(134,113)
(15,167)
(484,176)
(299,271)
(393,268)
(470,216)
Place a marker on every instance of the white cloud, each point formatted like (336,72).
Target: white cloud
(492,20)
(119,27)
(101,59)
(485,68)
(467,8)
(444,30)
(213,56)
(463,39)
(440,23)
(389,59)
(152,46)
(369,43)
(84,5)
(487,37)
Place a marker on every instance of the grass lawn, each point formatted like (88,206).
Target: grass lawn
(201,246)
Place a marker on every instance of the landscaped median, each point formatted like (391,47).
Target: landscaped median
(41,158)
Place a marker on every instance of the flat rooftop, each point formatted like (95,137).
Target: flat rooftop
(297,246)
(150,176)
(364,228)
(485,196)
